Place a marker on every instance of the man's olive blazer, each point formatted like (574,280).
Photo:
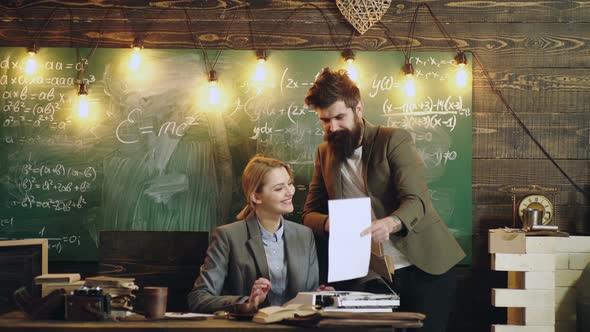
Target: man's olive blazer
(393,174)
(236,258)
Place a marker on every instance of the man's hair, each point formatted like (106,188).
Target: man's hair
(331,86)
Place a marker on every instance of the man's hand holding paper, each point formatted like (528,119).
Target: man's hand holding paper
(381,229)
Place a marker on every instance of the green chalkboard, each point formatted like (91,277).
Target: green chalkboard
(155,155)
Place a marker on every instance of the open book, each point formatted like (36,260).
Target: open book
(306,315)
(276,314)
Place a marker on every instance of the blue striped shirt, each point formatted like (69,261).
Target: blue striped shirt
(274,248)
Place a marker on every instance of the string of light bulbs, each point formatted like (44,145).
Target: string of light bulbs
(138,40)
(83,102)
(460,59)
(261,54)
(214,91)
(33,48)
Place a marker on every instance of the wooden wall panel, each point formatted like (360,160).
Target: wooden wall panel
(498,45)
(501,11)
(498,135)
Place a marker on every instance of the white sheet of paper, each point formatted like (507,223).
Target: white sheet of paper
(348,252)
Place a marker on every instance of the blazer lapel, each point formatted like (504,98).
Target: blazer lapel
(368,140)
(256,246)
(293,252)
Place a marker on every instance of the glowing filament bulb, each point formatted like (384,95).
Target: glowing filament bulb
(83,108)
(31,64)
(260,73)
(214,95)
(135,59)
(351,69)
(461,76)
(410,86)
(461,60)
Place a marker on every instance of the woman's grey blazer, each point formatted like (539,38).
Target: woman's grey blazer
(236,258)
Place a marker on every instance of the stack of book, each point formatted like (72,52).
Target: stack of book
(52,281)
(120,290)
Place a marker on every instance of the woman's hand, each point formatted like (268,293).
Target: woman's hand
(259,291)
(324,288)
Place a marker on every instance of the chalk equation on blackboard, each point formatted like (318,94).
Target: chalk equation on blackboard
(60,170)
(293,83)
(427,106)
(439,157)
(19,64)
(53,179)
(6,222)
(128,130)
(58,243)
(38,140)
(40,108)
(65,205)
(423,122)
(50,185)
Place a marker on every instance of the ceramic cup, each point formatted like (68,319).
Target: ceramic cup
(155,299)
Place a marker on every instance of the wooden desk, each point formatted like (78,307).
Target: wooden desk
(16,321)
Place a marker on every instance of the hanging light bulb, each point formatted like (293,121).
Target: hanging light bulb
(461,60)
(83,108)
(260,73)
(31,64)
(349,57)
(214,95)
(409,86)
(137,46)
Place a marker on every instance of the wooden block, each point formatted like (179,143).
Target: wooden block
(578,261)
(579,244)
(539,280)
(522,328)
(540,244)
(523,262)
(564,295)
(501,241)
(531,316)
(531,280)
(515,316)
(562,261)
(565,311)
(567,278)
(565,326)
(503,297)
(539,316)
(515,280)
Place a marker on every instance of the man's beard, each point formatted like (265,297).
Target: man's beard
(343,142)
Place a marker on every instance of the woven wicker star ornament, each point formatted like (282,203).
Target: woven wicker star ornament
(362,14)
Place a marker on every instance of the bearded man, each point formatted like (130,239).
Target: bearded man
(359,159)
